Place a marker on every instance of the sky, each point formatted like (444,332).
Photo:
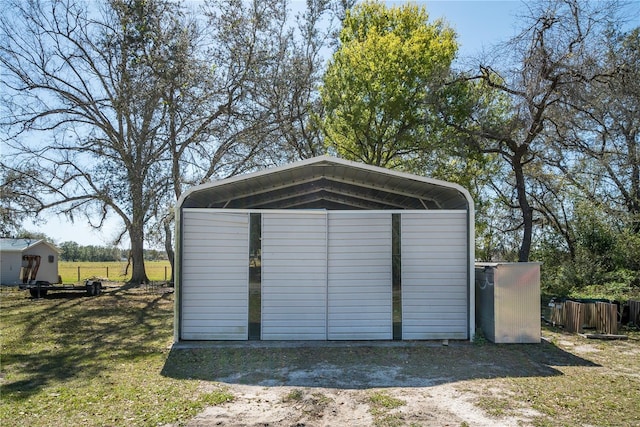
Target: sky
(478,24)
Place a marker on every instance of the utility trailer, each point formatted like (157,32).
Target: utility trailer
(40,288)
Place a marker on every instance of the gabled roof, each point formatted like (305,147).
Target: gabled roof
(20,245)
(327,183)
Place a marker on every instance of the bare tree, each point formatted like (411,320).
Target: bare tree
(17,202)
(529,84)
(283,56)
(293,94)
(118,106)
(598,143)
(91,94)
(267,69)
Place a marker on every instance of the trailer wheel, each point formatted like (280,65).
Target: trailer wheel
(34,293)
(94,289)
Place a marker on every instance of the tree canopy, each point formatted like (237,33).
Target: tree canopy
(390,60)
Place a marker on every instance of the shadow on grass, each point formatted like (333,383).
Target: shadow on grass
(69,336)
(359,365)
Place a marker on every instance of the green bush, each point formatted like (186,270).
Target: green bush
(605,263)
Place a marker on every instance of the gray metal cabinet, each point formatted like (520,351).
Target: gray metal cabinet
(508,301)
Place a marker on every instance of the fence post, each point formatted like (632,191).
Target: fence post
(165,273)
(78,273)
(607,318)
(574,317)
(107,271)
(634,312)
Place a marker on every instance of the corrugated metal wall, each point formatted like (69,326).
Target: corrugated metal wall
(434,275)
(485,300)
(325,275)
(10,264)
(294,276)
(215,275)
(359,276)
(517,303)
(508,301)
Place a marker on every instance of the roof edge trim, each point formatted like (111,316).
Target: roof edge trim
(327,159)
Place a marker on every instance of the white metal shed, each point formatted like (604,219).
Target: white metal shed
(11,259)
(325,249)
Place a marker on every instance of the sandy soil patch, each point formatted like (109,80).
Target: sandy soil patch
(418,401)
(441,405)
(371,383)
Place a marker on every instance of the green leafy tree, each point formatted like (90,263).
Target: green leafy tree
(377,86)
(70,251)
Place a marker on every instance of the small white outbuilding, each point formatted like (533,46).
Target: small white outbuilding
(13,258)
(325,249)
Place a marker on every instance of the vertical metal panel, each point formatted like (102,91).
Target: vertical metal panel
(435,282)
(517,303)
(10,264)
(485,318)
(214,285)
(359,281)
(396,259)
(315,286)
(294,276)
(255,276)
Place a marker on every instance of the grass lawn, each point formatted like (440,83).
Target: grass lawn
(70,360)
(74,272)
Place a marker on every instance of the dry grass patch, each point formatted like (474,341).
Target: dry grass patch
(71,360)
(78,271)
(382,406)
(603,394)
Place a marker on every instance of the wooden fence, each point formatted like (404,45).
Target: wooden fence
(573,316)
(576,316)
(634,312)
(606,318)
(557,314)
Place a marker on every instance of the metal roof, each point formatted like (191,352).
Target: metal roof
(20,245)
(327,183)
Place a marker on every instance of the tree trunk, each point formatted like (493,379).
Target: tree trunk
(136,234)
(168,244)
(634,161)
(525,208)
(138,273)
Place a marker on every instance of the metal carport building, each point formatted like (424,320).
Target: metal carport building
(325,249)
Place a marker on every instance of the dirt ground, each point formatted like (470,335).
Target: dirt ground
(352,384)
(441,405)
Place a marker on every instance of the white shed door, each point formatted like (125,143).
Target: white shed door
(215,275)
(359,276)
(434,275)
(294,276)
